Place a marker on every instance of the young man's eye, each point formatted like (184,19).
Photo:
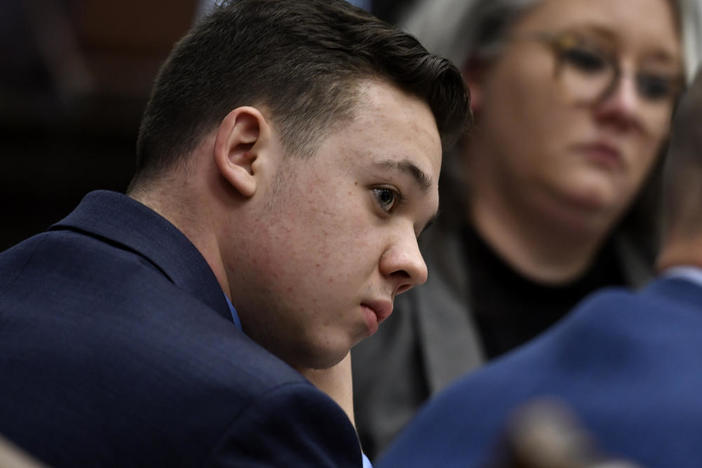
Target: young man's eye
(387,198)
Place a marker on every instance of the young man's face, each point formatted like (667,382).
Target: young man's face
(338,238)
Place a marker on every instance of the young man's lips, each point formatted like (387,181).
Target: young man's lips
(377,311)
(382,309)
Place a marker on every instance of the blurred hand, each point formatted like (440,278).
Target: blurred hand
(12,456)
(545,434)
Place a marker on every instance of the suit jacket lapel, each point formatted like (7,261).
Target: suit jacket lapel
(678,290)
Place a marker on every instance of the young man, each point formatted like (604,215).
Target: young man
(626,363)
(287,161)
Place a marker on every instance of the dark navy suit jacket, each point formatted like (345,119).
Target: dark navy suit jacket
(629,364)
(117,348)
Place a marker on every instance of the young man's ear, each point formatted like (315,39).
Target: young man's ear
(237,148)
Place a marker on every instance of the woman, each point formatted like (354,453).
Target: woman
(551,196)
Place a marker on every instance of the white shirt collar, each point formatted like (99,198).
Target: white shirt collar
(687,272)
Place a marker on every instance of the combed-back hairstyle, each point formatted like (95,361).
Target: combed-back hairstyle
(302,61)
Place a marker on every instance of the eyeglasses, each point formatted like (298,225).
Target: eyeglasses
(589,73)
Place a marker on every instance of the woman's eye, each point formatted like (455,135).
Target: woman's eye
(585,60)
(387,198)
(655,87)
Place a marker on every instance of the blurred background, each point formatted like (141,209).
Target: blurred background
(74,79)
(75,76)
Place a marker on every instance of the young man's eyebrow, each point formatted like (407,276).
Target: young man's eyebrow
(406,166)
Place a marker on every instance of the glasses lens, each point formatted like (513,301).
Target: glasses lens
(587,70)
(584,71)
(654,87)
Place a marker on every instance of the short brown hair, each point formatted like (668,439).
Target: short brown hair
(300,59)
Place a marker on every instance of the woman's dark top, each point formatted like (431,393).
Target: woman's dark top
(510,309)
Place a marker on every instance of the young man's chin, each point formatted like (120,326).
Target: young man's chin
(320,357)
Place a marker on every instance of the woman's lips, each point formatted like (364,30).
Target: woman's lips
(603,154)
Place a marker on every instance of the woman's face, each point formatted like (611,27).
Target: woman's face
(573,111)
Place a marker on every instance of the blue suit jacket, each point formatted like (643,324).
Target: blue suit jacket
(629,364)
(117,348)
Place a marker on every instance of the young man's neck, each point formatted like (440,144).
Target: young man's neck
(178,201)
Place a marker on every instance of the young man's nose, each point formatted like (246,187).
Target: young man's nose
(402,262)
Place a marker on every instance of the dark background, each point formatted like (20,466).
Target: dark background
(74,79)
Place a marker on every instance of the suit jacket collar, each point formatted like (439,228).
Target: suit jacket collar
(677,289)
(121,220)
